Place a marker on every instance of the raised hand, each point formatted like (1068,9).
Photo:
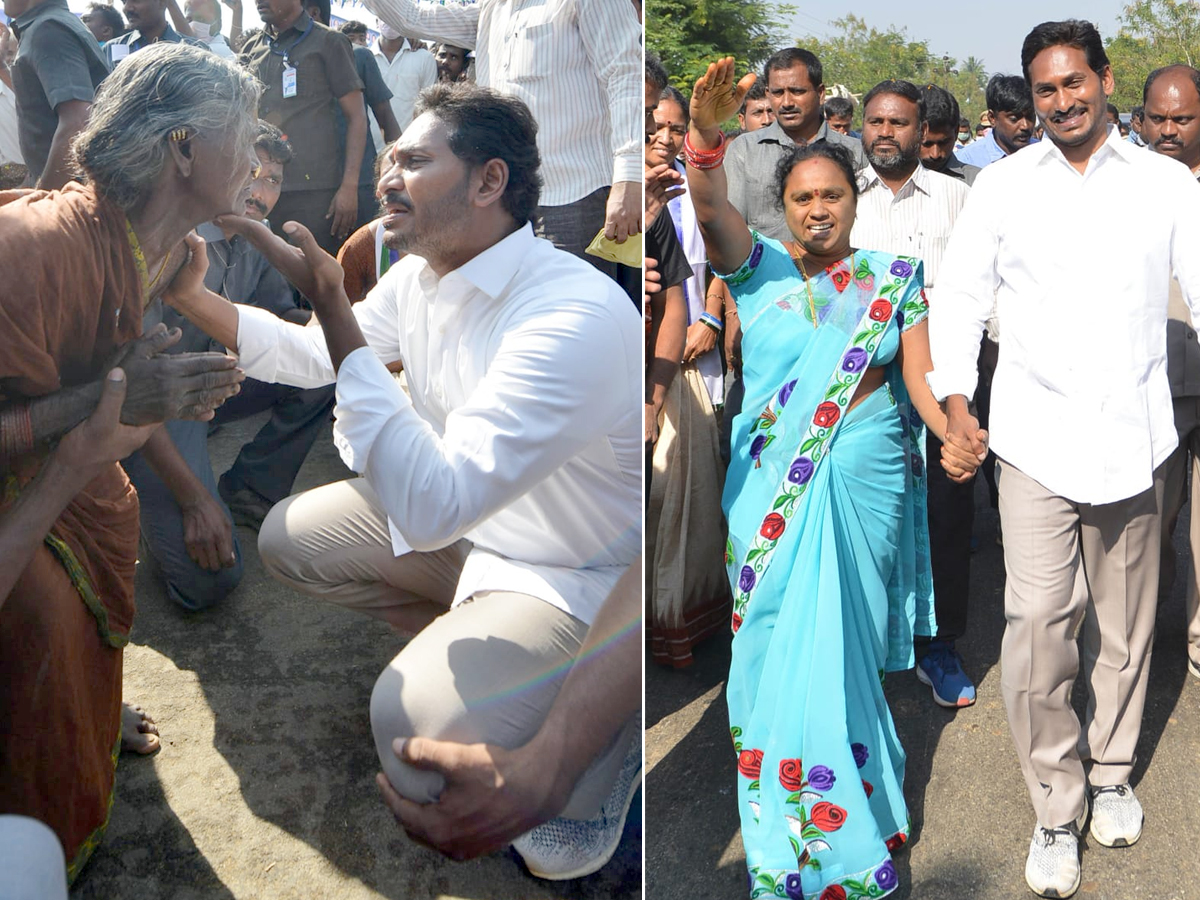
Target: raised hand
(717,95)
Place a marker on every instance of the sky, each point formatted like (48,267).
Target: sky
(992,31)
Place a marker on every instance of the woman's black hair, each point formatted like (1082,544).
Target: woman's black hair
(835,153)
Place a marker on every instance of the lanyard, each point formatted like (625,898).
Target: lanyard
(285,53)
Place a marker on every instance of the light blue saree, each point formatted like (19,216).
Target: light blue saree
(828,559)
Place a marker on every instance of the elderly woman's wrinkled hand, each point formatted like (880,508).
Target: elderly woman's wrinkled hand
(102,439)
(177,386)
(718,95)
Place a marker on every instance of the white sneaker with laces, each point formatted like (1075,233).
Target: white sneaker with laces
(1052,868)
(574,848)
(1116,816)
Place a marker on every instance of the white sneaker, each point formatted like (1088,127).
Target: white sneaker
(1052,868)
(1116,816)
(574,848)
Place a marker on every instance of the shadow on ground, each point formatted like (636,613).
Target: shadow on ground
(265,784)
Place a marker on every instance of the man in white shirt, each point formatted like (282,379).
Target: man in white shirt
(500,505)
(407,69)
(577,64)
(205,18)
(907,209)
(1082,422)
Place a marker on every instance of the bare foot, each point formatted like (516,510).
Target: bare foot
(139,734)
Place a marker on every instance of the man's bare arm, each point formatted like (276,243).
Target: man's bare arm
(72,119)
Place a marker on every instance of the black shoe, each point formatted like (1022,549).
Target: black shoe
(247,507)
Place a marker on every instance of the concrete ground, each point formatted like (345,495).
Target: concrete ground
(971,813)
(264,788)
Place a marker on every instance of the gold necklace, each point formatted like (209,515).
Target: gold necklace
(812,306)
(139,258)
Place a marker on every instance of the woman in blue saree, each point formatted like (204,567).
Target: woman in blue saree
(828,548)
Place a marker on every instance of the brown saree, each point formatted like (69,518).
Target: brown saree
(71,294)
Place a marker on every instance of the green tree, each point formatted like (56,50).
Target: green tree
(689,34)
(1153,33)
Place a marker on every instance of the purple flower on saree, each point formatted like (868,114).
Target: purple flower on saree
(756,446)
(791,886)
(746,579)
(861,754)
(854,360)
(901,269)
(885,876)
(801,470)
(786,391)
(899,316)
(821,778)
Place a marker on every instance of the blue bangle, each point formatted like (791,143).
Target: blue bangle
(711,321)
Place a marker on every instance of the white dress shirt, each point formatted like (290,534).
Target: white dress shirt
(1080,400)
(524,431)
(218,45)
(914,221)
(577,65)
(406,74)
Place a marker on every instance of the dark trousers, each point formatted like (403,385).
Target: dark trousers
(572,226)
(309,209)
(951,516)
(267,465)
(989,355)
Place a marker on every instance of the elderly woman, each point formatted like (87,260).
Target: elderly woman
(828,546)
(168,147)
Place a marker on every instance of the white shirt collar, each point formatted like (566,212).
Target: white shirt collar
(919,180)
(491,271)
(1114,146)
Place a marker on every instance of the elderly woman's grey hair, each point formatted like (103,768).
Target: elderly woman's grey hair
(152,93)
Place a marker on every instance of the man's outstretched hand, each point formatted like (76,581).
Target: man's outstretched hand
(492,796)
(314,272)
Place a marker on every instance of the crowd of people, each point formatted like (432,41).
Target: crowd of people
(179,193)
(897,308)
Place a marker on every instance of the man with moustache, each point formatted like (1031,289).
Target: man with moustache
(1010,111)
(792,78)
(451,63)
(756,111)
(1171,126)
(907,209)
(1083,366)
(186,523)
(147,25)
(500,504)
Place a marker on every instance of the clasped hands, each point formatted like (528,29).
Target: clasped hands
(965,446)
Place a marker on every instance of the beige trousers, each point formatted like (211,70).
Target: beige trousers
(1047,541)
(1175,494)
(487,670)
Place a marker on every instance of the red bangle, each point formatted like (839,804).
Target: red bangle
(704,159)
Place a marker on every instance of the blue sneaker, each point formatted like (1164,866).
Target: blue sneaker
(941,669)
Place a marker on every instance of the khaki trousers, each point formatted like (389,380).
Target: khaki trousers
(1175,494)
(1047,541)
(487,670)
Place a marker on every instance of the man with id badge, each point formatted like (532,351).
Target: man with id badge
(307,71)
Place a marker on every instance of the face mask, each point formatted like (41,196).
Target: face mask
(388,32)
(202,30)
(963,137)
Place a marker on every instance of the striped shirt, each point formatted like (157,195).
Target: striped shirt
(915,221)
(577,65)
